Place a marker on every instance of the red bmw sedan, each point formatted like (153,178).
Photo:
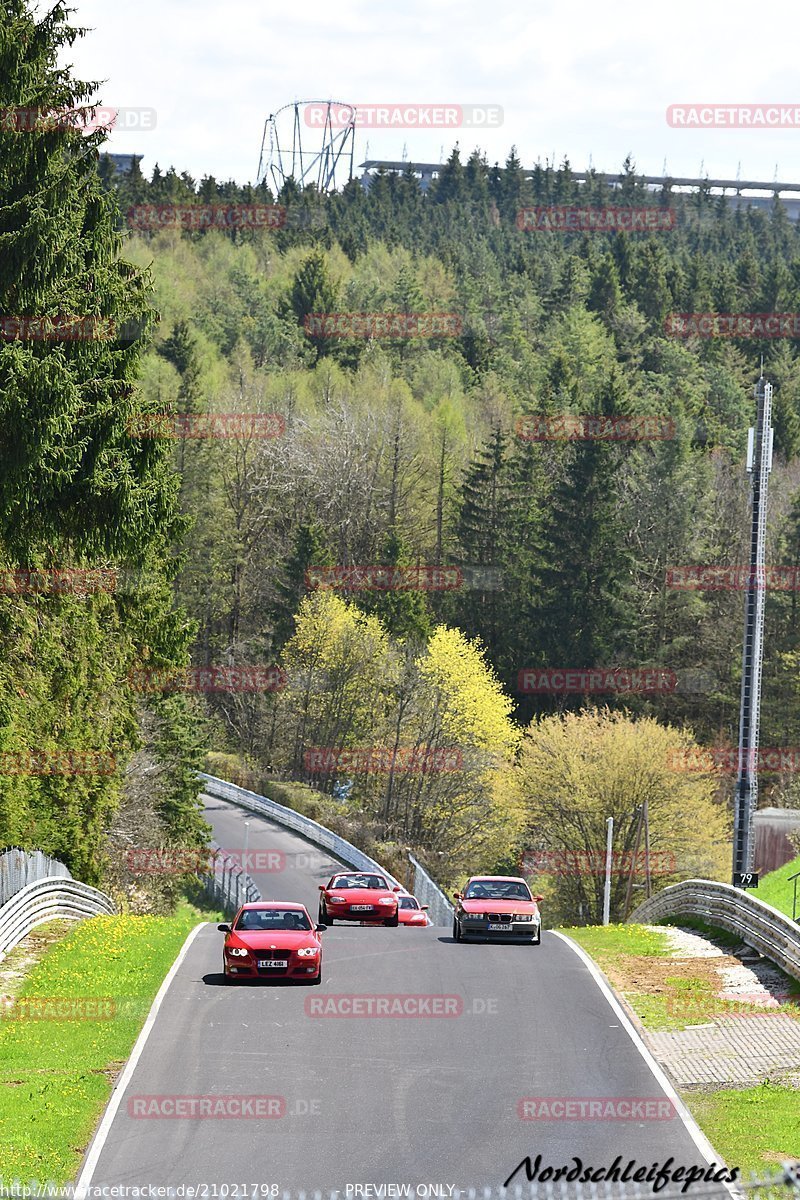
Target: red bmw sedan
(358,896)
(271,940)
(497,907)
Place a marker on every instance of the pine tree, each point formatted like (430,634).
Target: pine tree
(313,291)
(310,549)
(79,487)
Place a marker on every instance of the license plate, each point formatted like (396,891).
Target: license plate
(501,928)
(361,908)
(273,962)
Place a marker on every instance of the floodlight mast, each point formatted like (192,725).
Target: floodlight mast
(759,465)
(329,151)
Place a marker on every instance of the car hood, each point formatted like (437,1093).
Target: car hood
(281,939)
(361,895)
(412,916)
(499,906)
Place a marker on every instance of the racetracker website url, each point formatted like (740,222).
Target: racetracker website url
(133,1191)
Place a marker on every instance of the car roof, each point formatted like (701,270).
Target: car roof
(262,904)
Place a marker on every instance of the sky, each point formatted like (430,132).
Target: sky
(588,81)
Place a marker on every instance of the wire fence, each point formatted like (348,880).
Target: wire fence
(226,884)
(18,868)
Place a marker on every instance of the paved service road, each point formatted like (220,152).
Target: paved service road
(403,1100)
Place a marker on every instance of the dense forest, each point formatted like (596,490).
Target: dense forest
(408,452)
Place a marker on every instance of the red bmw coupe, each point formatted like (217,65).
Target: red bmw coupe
(358,896)
(271,940)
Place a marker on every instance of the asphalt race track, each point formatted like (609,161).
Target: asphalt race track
(380,1100)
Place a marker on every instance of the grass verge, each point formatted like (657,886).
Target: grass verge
(775,888)
(751,1128)
(665,992)
(56,1074)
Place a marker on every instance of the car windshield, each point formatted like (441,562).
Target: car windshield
(497,889)
(255,919)
(408,902)
(359,881)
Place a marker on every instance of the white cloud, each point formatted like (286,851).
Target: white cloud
(577,79)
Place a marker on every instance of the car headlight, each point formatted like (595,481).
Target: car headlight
(237,951)
(307,951)
(386,900)
(524,917)
(337,900)
(474,916)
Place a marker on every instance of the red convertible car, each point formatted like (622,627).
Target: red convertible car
(271,940)
(358,896)
(497,907)
(411,912)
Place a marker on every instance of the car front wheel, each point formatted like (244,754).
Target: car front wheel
(395,920)
(456,930)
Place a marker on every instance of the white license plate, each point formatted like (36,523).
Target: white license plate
(501,928)
(361,908)
(273,962)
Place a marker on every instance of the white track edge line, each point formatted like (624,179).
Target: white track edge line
(692,1128)
(99,1139)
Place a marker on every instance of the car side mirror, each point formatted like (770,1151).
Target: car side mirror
(456,895)
(397,889)
(320,928)
(424,907)
(224,928)
(538,899)
(322,887)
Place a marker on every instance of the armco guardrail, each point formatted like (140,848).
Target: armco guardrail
(312,831)
(440,910)
(48,900)
(20,867)
(759,925)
